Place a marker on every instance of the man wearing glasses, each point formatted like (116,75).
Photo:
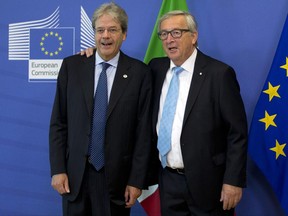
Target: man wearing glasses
(199,125)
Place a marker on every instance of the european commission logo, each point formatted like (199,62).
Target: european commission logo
(44,44)
(47,49)
(50,43)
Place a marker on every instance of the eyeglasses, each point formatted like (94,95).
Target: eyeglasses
(175,33)
(112,31)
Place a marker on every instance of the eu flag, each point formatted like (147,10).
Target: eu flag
(51,43)
(268,136)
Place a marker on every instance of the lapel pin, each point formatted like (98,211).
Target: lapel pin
(125,76)
(200,73)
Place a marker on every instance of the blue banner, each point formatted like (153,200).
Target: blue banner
(36,35)
(269,129)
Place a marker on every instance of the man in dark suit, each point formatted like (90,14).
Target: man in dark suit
(113,188)
(204,155)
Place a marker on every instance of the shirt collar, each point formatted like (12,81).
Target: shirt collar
(113,61)
(188,65)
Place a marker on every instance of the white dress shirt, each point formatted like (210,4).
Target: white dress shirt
(174,156)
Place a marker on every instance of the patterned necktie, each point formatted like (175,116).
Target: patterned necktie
(168,113)
(99,120)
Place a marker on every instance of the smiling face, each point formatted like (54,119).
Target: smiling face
(178,49)
(108,36)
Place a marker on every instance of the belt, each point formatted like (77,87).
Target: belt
(176,170)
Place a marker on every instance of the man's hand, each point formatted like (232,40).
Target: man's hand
(131,195)
(60,183)
(230,196)
(89,52)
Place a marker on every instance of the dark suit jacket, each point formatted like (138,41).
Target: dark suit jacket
(128,135)
(214,133)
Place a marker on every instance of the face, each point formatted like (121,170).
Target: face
(108,36)
(178,49)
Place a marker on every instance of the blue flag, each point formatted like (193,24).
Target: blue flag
(268,136)
(51,43)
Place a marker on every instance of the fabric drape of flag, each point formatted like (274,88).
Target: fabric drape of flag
(268,135)
(149,199)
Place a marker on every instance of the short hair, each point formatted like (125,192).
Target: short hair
(190,19)
(113,10)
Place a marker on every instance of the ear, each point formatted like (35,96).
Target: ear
(194,37)
(124,36)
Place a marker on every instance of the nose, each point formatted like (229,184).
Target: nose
(106,33)
(169,36)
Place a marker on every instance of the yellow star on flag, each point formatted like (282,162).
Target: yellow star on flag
(272,91)
(268,120)
(285,66)
(279,149)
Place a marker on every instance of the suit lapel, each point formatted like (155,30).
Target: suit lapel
(87,71)
(122,77)
(196,83)
(161,69)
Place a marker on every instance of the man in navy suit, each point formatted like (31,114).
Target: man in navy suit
(113,189)
(204,171)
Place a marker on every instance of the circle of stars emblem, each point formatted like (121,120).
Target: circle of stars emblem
(44,39)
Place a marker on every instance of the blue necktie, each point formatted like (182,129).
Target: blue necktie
(99,120)
(168,113)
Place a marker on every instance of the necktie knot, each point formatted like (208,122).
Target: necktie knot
(177,70)
(105,66)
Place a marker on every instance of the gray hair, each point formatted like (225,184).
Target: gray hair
(113,10)
(190,19)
